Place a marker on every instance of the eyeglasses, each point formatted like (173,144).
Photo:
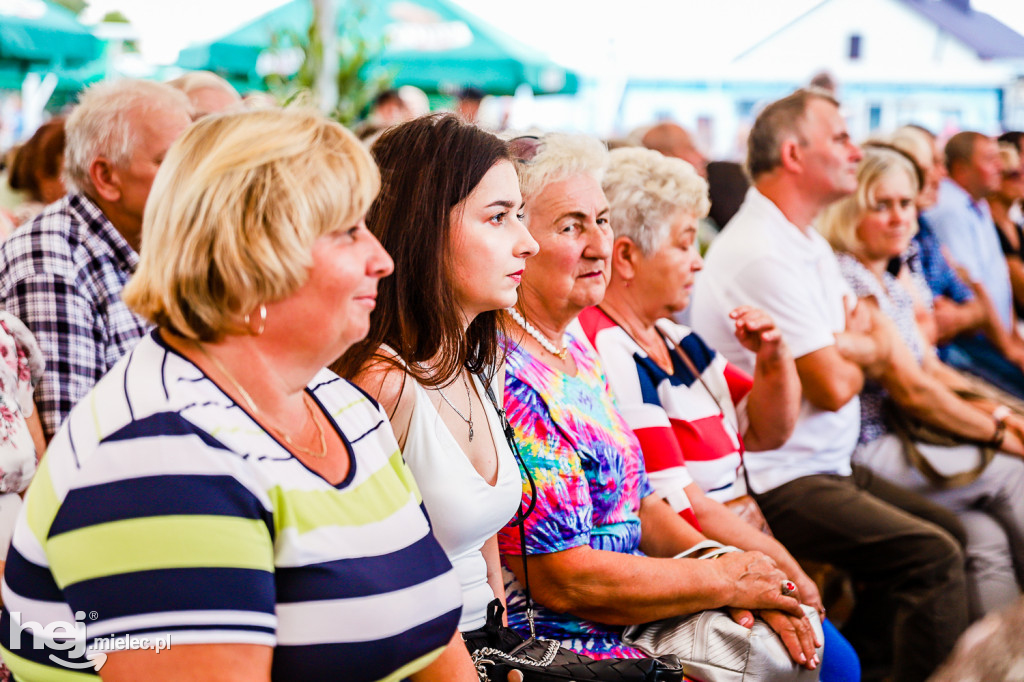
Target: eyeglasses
(525,147)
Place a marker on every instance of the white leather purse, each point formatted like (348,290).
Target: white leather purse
(714,648)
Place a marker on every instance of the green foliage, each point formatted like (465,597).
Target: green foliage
(115,17)
(75,6)
(354,51)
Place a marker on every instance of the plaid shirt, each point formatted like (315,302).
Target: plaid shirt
(62,275)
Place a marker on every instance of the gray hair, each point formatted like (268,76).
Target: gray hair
(101,124)
(561,156)
(200,80)
(646,190)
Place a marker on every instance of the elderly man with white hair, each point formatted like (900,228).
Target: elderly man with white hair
(63,273)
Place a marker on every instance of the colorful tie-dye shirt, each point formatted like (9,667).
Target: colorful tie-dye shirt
(590,477)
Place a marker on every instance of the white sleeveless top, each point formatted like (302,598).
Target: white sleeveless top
(464,510)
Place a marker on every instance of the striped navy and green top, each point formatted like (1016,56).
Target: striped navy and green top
(162,510)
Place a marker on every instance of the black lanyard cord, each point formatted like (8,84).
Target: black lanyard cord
(519,520)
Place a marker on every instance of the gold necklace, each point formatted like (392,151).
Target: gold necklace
(259,413)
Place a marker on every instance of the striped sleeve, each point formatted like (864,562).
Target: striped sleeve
(738,381)
(161,534)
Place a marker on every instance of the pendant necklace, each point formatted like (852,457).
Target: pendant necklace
(469,399)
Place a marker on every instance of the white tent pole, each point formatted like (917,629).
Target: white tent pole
(326,87)
(35,93)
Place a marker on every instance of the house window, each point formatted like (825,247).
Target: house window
(874,117)
(854,51)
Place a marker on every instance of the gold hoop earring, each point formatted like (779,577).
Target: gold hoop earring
(263,321)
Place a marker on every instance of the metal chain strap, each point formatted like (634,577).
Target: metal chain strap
(481,668)
(480,657)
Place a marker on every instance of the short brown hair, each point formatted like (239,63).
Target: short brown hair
(774,124)
(39,157)
(960,148)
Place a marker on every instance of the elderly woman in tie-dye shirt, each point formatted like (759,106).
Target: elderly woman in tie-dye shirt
(600,542)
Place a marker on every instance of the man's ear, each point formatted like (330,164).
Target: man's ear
(625,258)
(956,168)
(105,179)
(791,154)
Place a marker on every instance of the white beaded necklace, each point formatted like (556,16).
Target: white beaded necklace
(541,339)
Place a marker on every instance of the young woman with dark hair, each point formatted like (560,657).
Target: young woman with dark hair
(448,213)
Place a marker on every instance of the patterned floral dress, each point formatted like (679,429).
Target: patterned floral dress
(590,478)
(21,366)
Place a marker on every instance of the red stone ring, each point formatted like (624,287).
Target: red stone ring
(788,588)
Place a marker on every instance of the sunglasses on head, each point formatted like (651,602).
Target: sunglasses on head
(525,147)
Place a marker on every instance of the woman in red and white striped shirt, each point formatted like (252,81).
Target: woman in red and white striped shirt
(693,412)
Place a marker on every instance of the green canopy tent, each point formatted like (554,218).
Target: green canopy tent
(432,44)
(41,36)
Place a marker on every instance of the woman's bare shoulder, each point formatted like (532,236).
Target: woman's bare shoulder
(384,377)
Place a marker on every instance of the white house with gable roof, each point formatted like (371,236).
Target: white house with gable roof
(938,63)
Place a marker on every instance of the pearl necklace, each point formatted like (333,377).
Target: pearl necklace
(541,339)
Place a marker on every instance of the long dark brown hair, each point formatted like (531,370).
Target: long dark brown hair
(428,167)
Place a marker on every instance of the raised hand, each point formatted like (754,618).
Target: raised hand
(756,330)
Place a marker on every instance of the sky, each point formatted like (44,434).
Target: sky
(580,34)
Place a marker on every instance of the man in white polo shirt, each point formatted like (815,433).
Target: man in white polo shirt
(904,549)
